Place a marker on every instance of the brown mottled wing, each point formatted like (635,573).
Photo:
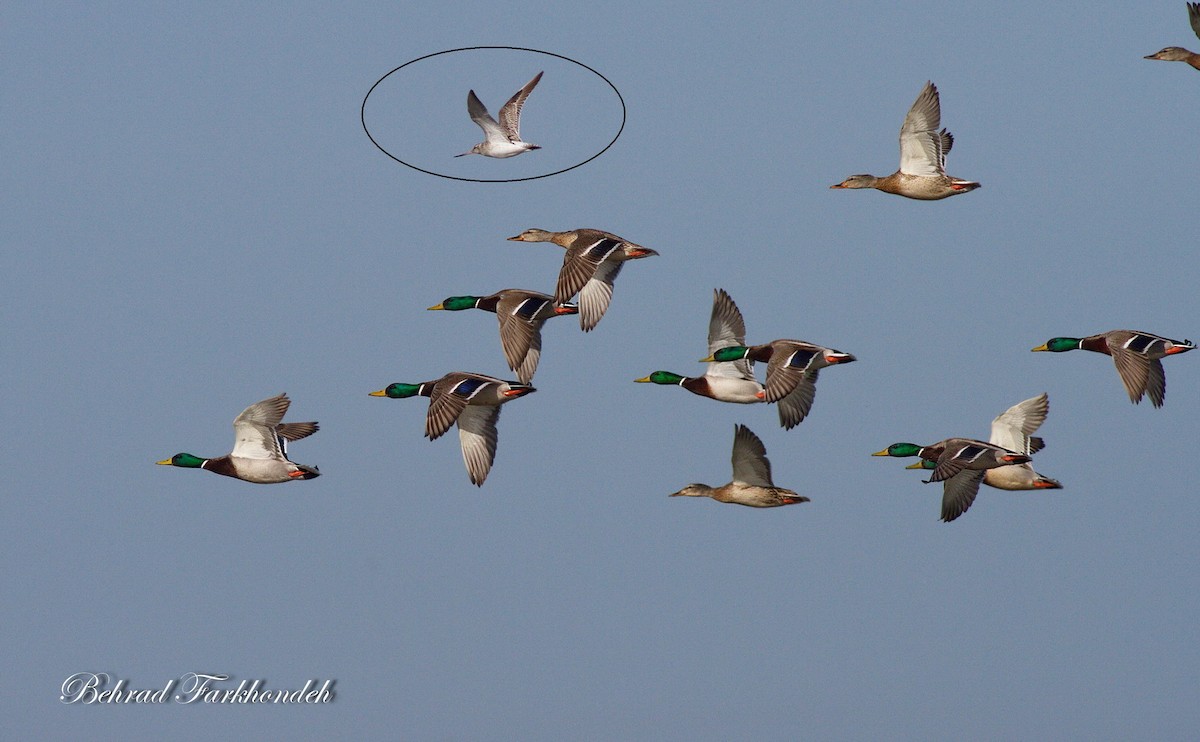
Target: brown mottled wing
(579,265)
(296,431)
(510,113)
(750,462)
(795,406)
(519,337)
(445,407)
(477,436)
(1156,383)
(1194,17)
(1134,370)
(959,492)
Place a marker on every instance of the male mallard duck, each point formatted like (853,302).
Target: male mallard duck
(728,381)
(1135,354)
(259,447)
(501,139)
(1179,54)
(522,314)
(1012,430)
(960,464)
(923,150)
(471,400)
(751,485)
(591,264)
(792,368)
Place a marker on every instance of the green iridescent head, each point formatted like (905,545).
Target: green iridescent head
(186,460)
(1058,345)
(732,353)
(398,391)
(899,450)
(456,303)
(662,377)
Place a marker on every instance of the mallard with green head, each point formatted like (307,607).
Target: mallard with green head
(752,485)
(792,369)
(521,314)
(259,447)
(590,266)
(1136,355)
(960,463)
(923,150)
(470,400)
(1178,53)
(1013,429)
(727,381)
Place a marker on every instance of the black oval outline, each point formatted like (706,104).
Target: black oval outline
(362,115)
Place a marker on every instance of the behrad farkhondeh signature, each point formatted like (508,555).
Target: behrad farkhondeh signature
(193,687)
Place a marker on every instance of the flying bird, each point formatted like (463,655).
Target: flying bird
(521,314)
(960,463)
(1013,429)
(1177,53)
(923,150)
(724,381)
(1136,355)
(752,485)
(792,369)
(501,139)
(591,264)
(259,447)
(470,400)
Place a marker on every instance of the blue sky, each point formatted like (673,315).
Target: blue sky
(197,221)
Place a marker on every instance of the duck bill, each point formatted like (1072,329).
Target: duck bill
(565,308)
(709,359)
(380,393)
(919,465)
(840,358)
(884,452)
(518,238)
(1040,347)
(518,391)
(436,306)
(164,462)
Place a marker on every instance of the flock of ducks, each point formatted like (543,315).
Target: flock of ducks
(591,264)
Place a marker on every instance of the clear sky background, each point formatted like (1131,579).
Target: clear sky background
(195,220)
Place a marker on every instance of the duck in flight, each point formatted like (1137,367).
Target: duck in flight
(501,139)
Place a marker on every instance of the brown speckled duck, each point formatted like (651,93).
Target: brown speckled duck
(752,485)
(923,149)
(593,260)
(1136,355)
(1178,53)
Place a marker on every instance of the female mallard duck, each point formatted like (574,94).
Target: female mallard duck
(471,400)
(1179,54)
(961,463)
(1012,430)
(259,447)
(923,150)
(727,381)
(792,368)
(591,264)
(522,314)
(751,485)
(1135,354)
(503,138)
